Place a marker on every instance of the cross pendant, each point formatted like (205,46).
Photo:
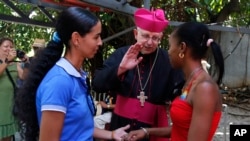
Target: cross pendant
(142,97)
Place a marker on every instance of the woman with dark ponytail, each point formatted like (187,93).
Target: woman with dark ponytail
(54,102)
(196,112)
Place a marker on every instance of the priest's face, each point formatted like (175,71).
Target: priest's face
(149,40)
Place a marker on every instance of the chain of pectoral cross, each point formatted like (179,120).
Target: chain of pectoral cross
(142,96)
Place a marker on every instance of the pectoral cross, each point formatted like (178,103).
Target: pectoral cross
(142,98)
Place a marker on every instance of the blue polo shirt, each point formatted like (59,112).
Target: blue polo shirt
(64,89)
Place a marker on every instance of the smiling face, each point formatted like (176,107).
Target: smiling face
(90,43)
(5,47)
(150,40)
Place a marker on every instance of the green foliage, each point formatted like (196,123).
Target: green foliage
(206,11)
(222,12)
(242,17)
(23,34)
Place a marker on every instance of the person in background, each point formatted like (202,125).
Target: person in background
(200,101)
(108,104)
(141,76)
(3,56)
(8,75)
(102,121)
(37,46)
(55,101)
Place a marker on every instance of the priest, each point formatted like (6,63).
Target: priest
(141,76)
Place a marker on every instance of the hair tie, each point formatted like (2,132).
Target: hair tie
(209,41)
(56,38)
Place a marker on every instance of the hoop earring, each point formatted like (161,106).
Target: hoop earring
(181,55)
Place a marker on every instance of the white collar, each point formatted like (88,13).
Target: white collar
(69,68)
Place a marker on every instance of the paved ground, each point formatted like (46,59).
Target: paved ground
(231,116)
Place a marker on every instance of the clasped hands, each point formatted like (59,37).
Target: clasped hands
(131,136)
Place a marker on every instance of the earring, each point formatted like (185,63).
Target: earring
(181,55)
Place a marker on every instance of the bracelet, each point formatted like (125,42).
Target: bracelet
(146,132)
(112,135)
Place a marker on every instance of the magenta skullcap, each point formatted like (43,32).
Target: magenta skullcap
(153,21)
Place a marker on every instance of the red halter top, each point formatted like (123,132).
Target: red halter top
(181,115)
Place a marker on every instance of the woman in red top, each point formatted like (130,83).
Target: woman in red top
(196,112)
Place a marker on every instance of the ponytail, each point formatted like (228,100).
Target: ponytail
(219,61)
(26,95)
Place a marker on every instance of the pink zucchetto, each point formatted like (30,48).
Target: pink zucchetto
(153,21)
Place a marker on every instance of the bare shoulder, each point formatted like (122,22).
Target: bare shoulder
(205,91)
(205,83)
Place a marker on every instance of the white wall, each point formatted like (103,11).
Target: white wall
(237,66)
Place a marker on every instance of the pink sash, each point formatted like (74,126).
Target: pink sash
(152,114)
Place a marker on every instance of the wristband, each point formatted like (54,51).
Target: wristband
(146,132)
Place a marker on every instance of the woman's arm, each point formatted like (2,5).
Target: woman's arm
(204,101)
(3,66)
(146,132)
(20,66)
(161,132)
(111,135)
(51,126)
(19,70)
(6,57)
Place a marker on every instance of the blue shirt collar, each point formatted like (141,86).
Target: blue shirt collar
(69,68)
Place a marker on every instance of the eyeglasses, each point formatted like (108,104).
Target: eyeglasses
(146,37)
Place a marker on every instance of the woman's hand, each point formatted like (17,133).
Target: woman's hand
(11,55)
(103,104)
(135,135)
(25,58)
(120,133)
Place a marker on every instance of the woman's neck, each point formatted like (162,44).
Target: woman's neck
(76,63)
(191,68)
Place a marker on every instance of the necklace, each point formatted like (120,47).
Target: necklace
(194,72)
(142,96)
(189,81)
